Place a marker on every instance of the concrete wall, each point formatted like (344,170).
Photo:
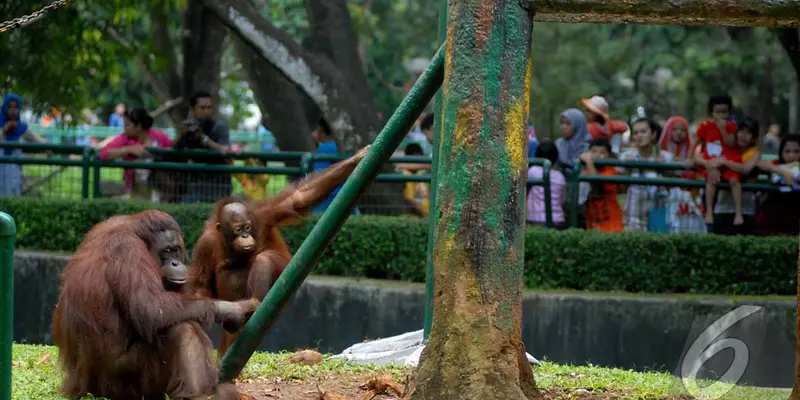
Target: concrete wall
(628,332)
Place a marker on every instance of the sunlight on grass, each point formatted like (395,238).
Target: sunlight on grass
(36,376)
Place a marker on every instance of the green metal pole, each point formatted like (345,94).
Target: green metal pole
(548,203)
(437,132)
(332,220)
(96,191)
(86,164)
(8,232)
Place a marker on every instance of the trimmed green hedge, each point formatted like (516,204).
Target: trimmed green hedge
(394,248)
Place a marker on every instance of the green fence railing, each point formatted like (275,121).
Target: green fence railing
(297,164)
(577,178)
(8,233)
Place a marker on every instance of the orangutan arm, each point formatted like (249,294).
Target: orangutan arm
(297,201)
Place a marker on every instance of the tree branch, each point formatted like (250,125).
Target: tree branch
(275,46)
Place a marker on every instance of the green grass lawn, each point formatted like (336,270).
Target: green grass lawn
(36,376)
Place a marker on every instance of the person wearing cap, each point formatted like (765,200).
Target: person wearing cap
(600,123)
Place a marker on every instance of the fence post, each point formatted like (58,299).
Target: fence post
(8,232)
(548,200)
(306,164)
(574,194)
(95,162)
(86,160)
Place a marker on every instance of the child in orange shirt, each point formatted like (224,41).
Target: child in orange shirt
(602,211)
(716,137)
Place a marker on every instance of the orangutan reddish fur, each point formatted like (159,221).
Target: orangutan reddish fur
(210,257)
(120,333)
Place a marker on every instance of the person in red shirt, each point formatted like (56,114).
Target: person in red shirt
(600,123)
(716,137)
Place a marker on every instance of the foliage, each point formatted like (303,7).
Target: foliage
(394,248)
(36,376)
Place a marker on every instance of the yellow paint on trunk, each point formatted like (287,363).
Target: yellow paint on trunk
(527,92)
(515,144)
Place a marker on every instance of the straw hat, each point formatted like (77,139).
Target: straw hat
(597,105)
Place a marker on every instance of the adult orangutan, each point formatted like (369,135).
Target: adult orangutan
(241,252)
(122,327)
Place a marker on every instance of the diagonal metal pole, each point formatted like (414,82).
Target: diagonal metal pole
(332,220)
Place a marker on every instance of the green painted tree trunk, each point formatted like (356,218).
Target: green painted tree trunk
(475,350)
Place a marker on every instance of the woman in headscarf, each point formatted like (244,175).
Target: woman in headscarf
(684,210)
(574,140)
(13,130)
(675,138)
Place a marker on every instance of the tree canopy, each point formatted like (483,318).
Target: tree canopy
(93,54)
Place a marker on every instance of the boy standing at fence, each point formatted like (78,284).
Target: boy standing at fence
(717,139)
(602,209)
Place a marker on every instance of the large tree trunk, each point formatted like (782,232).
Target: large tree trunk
(475,349)
(318,77)
(790,40)
(203,46)
(282,105)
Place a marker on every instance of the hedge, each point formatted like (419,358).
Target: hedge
(394,248)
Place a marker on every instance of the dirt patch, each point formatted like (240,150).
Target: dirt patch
(347,386)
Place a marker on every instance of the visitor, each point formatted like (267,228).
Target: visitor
(684,205)
(12,129)
(533,143)
(201,131)
(416,193)
(717,139)
(772,141)
(601,209)
(779,214)
(117,118)
(645,206)
(558,190)
(600,124)
(131,146)
(573,142)
(326,144)
(254,185)
(724,208)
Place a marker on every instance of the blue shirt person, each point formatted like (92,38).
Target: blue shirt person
(323,136)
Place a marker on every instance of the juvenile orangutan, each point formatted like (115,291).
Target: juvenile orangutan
(241,252)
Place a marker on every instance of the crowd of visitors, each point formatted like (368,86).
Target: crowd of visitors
(722,152)
(719,150)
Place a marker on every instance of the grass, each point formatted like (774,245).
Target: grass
(36,376)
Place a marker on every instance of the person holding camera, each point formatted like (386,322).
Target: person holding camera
(200,131)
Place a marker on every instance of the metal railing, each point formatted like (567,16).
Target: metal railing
(576,178)
(91,166)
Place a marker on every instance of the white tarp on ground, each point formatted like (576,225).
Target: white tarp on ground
(402,349)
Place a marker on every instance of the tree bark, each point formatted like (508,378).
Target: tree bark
(475,349)
(203,41)
(318,77)
(774,13)
(282,105)
(790,41)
